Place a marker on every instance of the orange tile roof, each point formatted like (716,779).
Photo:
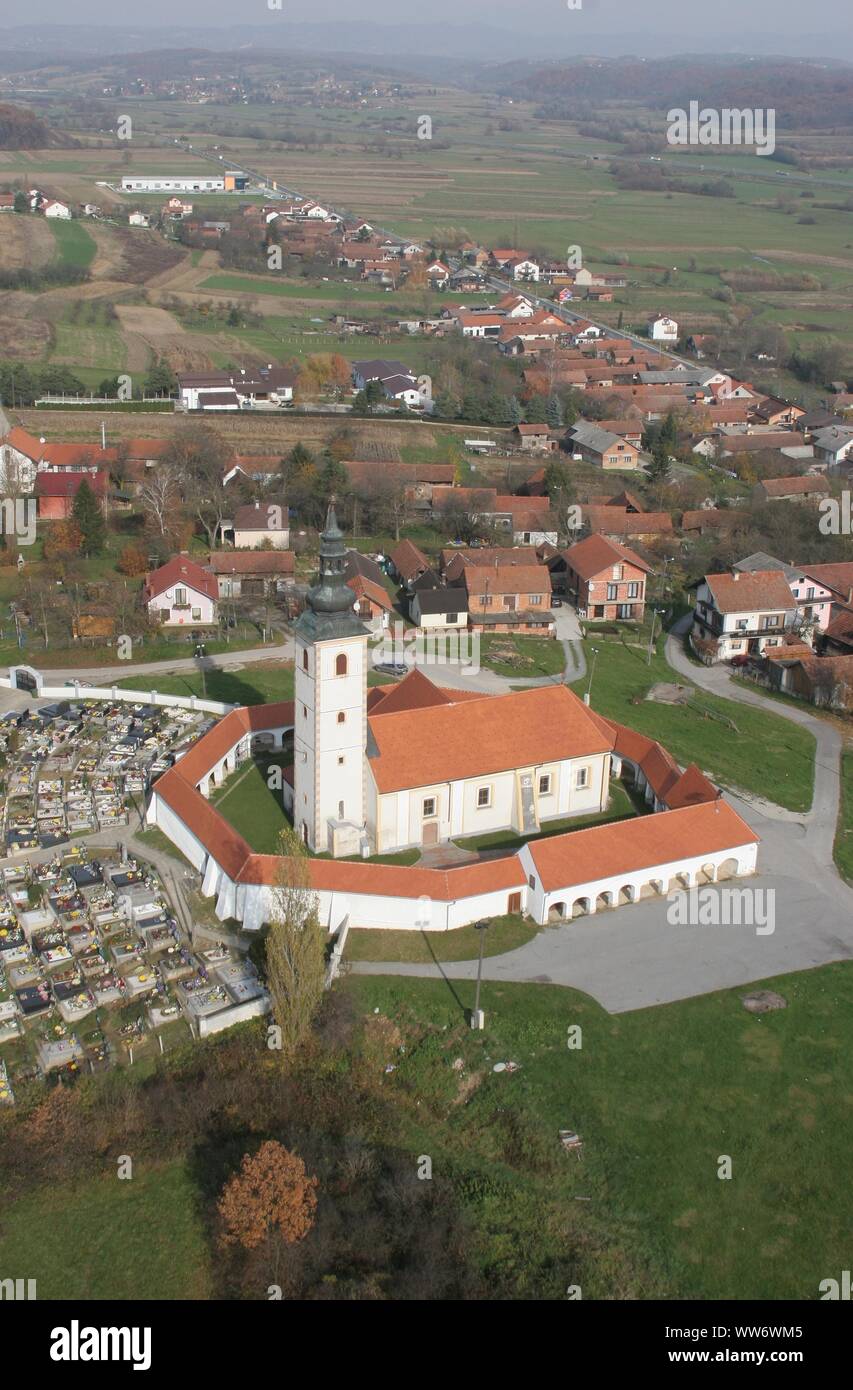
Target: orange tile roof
(179,570)
(395,881)
(788,487)
(624,847)
(751,592)
(368,588)
(408,560)
(447,743)
(414,691)
(506,579)
(596,553)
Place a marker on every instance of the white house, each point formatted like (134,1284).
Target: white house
(258,524)
(743,613)
(526,270)
(438,610)
(139,219)
(57,209)
(663,329)
(181,593)
(833,445)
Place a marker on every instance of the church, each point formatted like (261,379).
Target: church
(382,769)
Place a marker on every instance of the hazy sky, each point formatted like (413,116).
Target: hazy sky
(783,18)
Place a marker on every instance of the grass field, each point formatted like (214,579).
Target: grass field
(503,934)
(771,1088)
(75,247)
(111,1239)
(742,748)
(522,657)
(843,848)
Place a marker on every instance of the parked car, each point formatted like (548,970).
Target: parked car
(391,668)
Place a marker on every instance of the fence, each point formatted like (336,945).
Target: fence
(74,690)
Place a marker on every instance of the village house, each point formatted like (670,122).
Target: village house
(535,439)
(408,561)
(795,489)
(453,561)
(596,445)
(663,329)
(813,599)
(442,608)
(372,602)
(258,524)
(741,614)
(269,386)
(251,573)
(181,593)
(56,492)
(622,523)
(508,598)
(605,580)
(833,445)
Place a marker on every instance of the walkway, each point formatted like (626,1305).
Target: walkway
(631,958)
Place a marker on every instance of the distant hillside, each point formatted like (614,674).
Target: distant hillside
(802,93)
(21,129)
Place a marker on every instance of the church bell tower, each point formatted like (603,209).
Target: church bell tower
(330,715)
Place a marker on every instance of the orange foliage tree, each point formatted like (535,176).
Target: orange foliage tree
(64,538)
(133,561)
(271,1191)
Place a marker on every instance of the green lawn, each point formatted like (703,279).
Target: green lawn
(110,1239)
(252,806)
(740,747)
(249,685)
(522,656)
(843,849)
(74,245)
(656,1096)
(463,943)
(622,806)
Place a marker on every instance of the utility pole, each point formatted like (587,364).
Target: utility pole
(594,651)
(478,1018)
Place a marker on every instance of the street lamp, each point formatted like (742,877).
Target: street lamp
(478,1018)
(594,651)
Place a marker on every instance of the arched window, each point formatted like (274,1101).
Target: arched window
(305,658)
(340,664)
(342,719)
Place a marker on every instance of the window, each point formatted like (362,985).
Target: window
(429,806)
(340,664)
(180,598)
(340,810)
(545,784)
(617,571)
(633,590)
(487,600)
(305,658)
(341,760)
(582,777)
(196,615)
(453,617)
(535,600)
(304,711)
(484,796)
(612,592)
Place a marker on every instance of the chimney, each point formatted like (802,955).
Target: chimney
(736,575)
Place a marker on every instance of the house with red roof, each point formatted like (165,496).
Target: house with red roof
(605,580)
(742,614)
(56,492)
(181,593)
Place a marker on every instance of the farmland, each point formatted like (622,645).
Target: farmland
(497,177)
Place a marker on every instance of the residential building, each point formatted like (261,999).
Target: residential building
(813,599)
(181,593)
(663,329)
(258,524)
(508,598)
(599,446)
(441,608)
(741,614)
(251,573)
(605,580)
(797,489)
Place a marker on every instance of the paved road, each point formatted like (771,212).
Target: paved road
(105,675)
(633,958)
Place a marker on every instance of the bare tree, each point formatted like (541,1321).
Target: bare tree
(160,497)
(296,964)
